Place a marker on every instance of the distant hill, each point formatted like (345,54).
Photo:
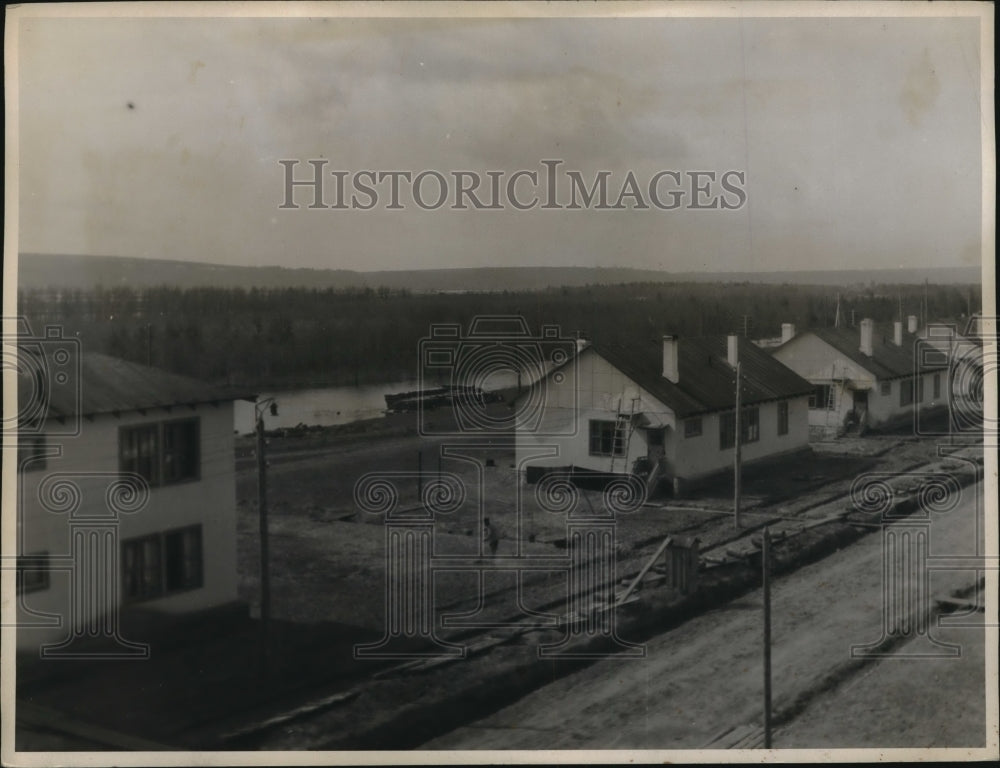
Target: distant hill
(84,272)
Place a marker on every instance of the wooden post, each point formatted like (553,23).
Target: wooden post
(265,579)
(766,577)
(736,456)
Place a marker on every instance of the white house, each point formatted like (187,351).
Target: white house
(864,378)
(137,508)
(665,410)
(961,345)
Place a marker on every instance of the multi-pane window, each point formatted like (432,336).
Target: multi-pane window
(142,576)
(160,564)
(32,573)
(906,391)
(783,417)
(30,452)
(605,440)
(180,450)
(692,427)
(163,453)
(139,452)
(749,427)
(727,430)
(821,397)
(182,558)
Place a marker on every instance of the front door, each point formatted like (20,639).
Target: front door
(654,445)
(860,403)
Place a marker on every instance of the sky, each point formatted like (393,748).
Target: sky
(859,139)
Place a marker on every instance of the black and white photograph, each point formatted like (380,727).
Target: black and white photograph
(515,382)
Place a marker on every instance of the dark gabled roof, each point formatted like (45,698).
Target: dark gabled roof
(887,361)
(966,329)
(110,385)
(706,380)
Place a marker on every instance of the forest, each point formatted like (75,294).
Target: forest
(299,337)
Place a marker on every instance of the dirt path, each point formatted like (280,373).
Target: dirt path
(705,676)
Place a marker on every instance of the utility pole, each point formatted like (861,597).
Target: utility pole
(924,323)
(736,457)
(766,578)
(265,576)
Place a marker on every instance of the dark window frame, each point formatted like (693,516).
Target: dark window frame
(906,392)
(156,458)
(727,430)
(819,397)
(693,427)
(885,389)
(749,427)
(782,417)
(164,583)
(603,439)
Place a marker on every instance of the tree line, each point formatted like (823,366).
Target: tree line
(291,337)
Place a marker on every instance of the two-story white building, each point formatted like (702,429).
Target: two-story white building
(137,508)
(869,377)
(665,410)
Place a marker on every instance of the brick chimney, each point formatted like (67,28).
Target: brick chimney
(911,324)
(732,349)
(671,368)
(897,333)
(867,331)
(787,332)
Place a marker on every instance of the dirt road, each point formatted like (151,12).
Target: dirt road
(706,676)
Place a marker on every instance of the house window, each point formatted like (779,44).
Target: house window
(163,453)
(692,427)
(30,452)
(920,389)
(783,417)
(749,427)
(821,397)
(885,388)
(727,430)
(605,440)
(139,451)
(32,573)
(141,569)
(654,437)
(182,559)
(937,386)
(161,564)
(906,391)
(180,451)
